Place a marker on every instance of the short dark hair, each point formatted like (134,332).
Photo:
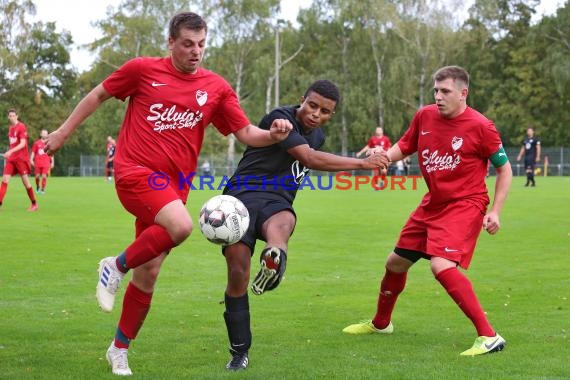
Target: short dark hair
(454,72)
(188,20)
(325,88)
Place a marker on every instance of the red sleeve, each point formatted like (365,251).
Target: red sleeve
(123,82)
(21,132)
(229,116)
(409,142)
(35,148)
(491,138)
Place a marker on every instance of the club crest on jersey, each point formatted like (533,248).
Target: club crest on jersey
(456,142)
(201,97)
(299,171)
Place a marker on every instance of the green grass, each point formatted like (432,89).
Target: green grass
(51,327)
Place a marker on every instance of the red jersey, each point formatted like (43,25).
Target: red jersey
(41,158)
(167,114)
(452,154)
(382,142)
(15,134)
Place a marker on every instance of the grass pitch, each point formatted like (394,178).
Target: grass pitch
(51,327)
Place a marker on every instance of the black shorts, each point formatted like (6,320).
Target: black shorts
(261,206)
(110,164)
(529,164)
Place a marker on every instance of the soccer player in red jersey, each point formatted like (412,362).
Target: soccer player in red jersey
(171,102)
(41,161)
(16,159)
(379,140)
(454,143)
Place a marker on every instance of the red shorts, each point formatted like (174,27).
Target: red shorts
(450,232)
(143,193)
(20,167)
(38,170)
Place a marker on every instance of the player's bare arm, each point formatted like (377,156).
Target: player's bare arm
(491,222)
(84,108)
(257,137)
(363,150)
(394,153)
(318,160)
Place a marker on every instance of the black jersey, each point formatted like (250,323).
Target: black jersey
(111,151)
(530,144)
(271,169)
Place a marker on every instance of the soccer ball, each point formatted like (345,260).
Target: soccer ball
(223,219)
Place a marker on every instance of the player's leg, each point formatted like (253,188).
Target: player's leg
(392,285)
(168,222)
(24,169)
(37,174)
(5,180)
(43,177)
(461,291)
(136,305)
(411,247)
(236,315)
(529,171)
(276,231)
(532,167)
(452,240)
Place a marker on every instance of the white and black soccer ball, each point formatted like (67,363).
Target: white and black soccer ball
(223,219)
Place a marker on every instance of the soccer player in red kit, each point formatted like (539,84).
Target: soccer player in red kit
(171,102)
(41,161)
(16,159)
(379,140)
(454,143)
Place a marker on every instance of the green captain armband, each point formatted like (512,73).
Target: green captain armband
(499,158)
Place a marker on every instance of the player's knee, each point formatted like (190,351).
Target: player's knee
(238,279)
(145,277)
(180,231)
(398,264)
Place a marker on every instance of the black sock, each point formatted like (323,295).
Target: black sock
(237,322)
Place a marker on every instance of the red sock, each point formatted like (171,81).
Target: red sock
(3,188)
(31,195)
(148,245)
(44,181)
(390,288)
(136,305)
(461,290)
(37,182)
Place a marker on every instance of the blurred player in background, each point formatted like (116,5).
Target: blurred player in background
(453,142)
(272,218)
(379,140)
(171,102)
(16,159)
(41,162)
(110,159)
(531,150)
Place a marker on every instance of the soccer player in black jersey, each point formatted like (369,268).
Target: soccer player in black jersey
(531,150)
(266,181)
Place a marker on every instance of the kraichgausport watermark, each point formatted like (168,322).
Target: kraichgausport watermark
(339,181)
